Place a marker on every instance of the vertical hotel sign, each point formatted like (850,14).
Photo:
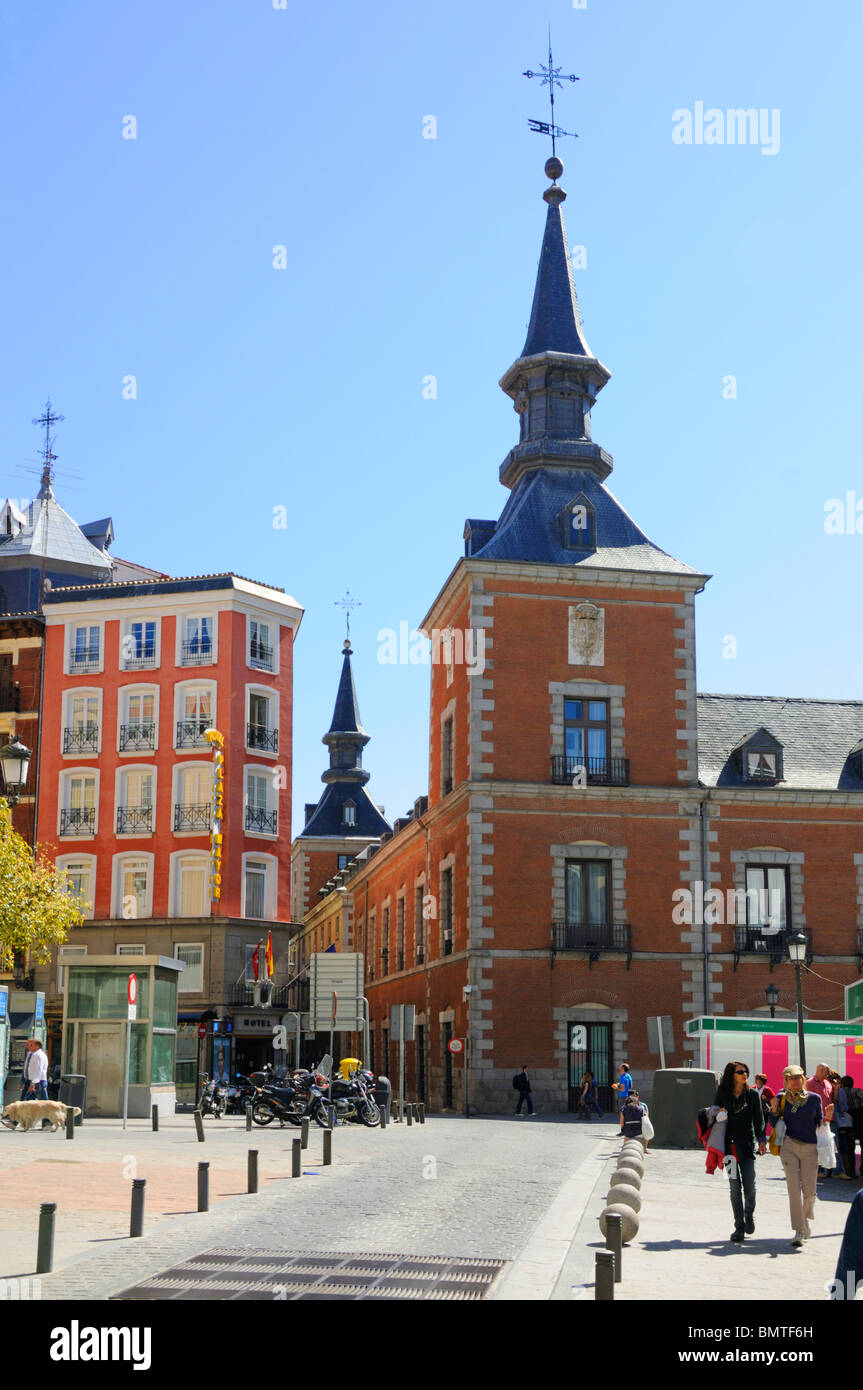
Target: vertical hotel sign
(217,741)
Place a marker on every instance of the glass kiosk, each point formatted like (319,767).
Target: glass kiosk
(4,1038)
(26,1020)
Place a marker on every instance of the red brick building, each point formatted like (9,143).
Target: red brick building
(580,788)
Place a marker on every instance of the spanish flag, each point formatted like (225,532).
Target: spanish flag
(270,966)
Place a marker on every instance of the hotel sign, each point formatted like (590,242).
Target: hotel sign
(217,741)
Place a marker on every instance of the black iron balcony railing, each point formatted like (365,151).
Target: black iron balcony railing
(446,942)
(385,962)
(595,938)
(420,956)
(138,736)
(83,738)
(143,660)
(772,946)
(198,652)
(83,659)
(134,820)
(294,996)
(79,820)
(10,698)
(193,818)
(400,960)
(603,772)
(260,657)
(258,819)
(259,736)
(190,733)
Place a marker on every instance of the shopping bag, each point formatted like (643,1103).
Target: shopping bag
(646,1128)
(826,1150)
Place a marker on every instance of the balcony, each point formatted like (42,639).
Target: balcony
(84,738)
(195,818)
(420,956)
(144,660)
(446,942)
(259,736)
(83,659)
(770,946)
(294,996)
(265,821)
(594,938)
(134,820)
(137,737)
(190,733)
(198,652)
(597,772)
(260,657)
(79,820)
(10,698)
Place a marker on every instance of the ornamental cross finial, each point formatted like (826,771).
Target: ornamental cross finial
(46,421)
(551,77)
(347,603)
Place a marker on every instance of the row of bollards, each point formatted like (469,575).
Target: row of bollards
(619,1221)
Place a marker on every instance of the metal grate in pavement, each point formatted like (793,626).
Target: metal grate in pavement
(294,1275)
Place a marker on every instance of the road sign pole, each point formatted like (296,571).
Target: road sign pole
(401,1059)
(661,1048)
(126,1070)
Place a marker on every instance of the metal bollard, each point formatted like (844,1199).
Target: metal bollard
(70,1123)
(304,1132)
(395,1111)
(296,1158)
(421,1112)
(409,1114)
(154,1115)
(203,1187)
(328,1147)
(199,1125)
(604,1291)
(136,1220)
(253,1170)
(45,1244)
(614,1242)
(248,1118)
(382,1110)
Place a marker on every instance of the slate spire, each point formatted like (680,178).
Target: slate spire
(555,320)
(346,715)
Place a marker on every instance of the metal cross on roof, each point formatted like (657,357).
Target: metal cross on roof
(347,603)
(551,76)
(47,420)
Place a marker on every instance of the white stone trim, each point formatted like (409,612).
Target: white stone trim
(617,854)
(586,689)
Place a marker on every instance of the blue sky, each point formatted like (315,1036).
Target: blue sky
(407,257)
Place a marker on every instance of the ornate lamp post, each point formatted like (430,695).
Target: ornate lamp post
(797,945)
(15,762)
(772,999)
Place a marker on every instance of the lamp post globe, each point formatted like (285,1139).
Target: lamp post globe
(772,994)
(15,762)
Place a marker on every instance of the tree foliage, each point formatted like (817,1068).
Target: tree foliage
(37,910)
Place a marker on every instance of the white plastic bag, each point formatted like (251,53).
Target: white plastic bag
(646,1128)
(826,1149)
(779,1130)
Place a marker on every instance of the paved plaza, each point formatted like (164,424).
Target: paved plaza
(524,1191)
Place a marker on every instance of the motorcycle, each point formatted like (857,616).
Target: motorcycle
(214,1100)
(240,1095)
(290,1102)
(354,1100)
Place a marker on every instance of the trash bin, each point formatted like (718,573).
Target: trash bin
(73,1091)
(384,1095)
(678,1095)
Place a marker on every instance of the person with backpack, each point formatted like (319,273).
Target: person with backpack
(587,1099)
(521,1083)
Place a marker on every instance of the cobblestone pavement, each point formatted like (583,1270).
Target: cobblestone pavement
(456,1187)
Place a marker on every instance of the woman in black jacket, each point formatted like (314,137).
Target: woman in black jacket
(744,1133)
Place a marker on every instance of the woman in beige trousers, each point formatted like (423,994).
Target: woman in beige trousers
(802,1113)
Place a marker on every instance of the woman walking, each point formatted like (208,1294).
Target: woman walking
(798,1150)
(744,1133)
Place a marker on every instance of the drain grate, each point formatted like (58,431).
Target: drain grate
(292,1275)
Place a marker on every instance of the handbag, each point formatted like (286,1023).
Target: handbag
(777,1134)
(826,1150)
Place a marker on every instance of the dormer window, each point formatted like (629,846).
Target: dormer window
(577,524)
(349,813)
(760,758)
(761,767)
(855,757)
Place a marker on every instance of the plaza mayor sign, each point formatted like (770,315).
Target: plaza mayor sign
(217,740)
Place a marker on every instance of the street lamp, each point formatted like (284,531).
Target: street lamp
(14,761)
(797,945)
(772,999)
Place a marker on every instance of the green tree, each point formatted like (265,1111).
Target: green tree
(37,910)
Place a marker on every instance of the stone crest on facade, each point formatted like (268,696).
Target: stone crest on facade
(586,635)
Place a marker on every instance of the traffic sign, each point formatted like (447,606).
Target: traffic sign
(456,1045)
(202,1030)
(133,989)
(854,1002)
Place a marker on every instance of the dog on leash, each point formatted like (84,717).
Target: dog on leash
(27,1113)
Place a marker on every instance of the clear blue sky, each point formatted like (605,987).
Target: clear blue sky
(302,387)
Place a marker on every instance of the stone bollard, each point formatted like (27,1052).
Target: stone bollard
(248,1118)
(70,1123)
(304,1132)
(628,1217)
(45,1241)
(409,1114)
(382,1110)
(136,1217)
(154,1117)
(421,1111)
(328,1147)
(253,1170)
(627,1176)
(614,1243)
(203,1187)
(296,1158)
(199,1126)
(625,1195)
(604,1276)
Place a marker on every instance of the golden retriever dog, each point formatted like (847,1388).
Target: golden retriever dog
(27,1113)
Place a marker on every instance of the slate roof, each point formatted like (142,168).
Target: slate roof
(817,737)
(346,715)
(555,319)
(50,533)
(528,528)
(327,819)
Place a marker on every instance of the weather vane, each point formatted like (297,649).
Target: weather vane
(551,76)
(47,420)
(347,603)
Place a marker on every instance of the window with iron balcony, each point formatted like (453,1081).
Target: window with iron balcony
(587,741)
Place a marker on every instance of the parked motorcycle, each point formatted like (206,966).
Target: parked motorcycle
(214,1099)
(290,1102)
(243,1093)
(354,1099)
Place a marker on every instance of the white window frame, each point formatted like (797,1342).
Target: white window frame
(117,883)
(263,770)
(211,614)
(181,689)
(174,873)
(70,951)
(176,774)
(274,627)
(68,668)
(349,824)
(124,695)
(120,779)
(62,863)
(272,697)
(89,691)
(270,885)
(126,631)
(182,974)
(130,948)
(65,775)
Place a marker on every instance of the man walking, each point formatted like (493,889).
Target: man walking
(521,1083)
(34,1078)
(820,1085)
(623,1086)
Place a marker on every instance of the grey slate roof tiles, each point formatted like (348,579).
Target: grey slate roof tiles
(818,738)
